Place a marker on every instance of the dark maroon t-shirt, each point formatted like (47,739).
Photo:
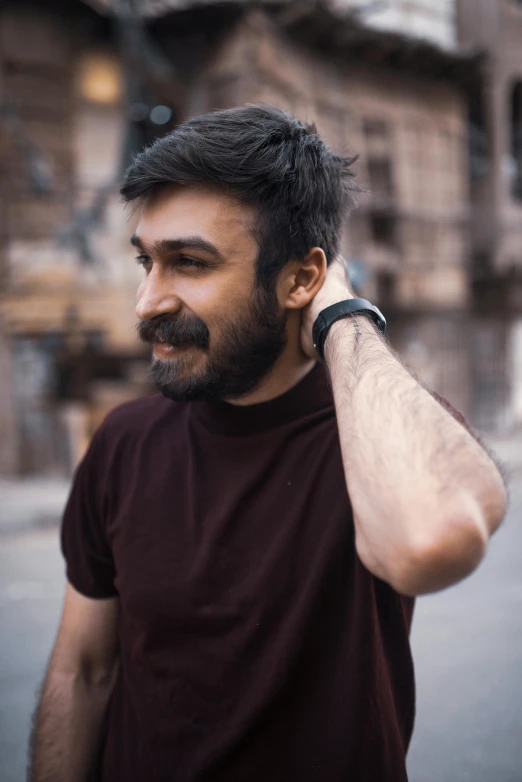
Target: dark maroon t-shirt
(255,645)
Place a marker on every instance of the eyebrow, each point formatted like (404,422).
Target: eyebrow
(164,246)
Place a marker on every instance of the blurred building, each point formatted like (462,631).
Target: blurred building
(83,84)
(495,29)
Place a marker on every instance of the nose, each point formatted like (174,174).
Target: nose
(155,297)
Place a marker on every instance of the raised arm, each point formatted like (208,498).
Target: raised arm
(76,689)
(426,496)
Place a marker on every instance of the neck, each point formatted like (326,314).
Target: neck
(285,374)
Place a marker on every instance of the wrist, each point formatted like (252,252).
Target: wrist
(349,332)
(346,309)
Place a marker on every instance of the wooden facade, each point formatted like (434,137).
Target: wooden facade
(495,30)
(402,107)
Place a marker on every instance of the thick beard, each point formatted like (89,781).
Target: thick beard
(248,348)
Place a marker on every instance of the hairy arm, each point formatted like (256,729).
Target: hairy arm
(426,496)
(76,689)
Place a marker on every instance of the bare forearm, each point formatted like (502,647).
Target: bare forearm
(416,478)
(68,726)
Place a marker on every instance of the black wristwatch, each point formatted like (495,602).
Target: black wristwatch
(344,309)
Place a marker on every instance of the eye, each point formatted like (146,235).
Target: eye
(142,260)
(186,260)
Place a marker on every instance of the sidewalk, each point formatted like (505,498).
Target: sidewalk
(31,502)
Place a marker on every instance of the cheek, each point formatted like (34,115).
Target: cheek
(214,300)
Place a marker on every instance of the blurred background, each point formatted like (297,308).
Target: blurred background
(428,93)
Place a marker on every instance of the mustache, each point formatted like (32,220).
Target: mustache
(177,332)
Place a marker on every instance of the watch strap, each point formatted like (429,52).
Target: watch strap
(344,309)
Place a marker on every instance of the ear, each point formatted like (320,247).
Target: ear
(304,279)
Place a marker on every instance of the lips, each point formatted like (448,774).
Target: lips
(164,350)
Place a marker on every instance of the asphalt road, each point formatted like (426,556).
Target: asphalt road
(467,647)
(31,589)
(467,644)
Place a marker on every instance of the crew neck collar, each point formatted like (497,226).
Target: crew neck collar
(310,395)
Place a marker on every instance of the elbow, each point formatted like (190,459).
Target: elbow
(439,561)
(98,677)
(495,505)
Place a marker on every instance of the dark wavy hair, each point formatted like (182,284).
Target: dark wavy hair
(264,157)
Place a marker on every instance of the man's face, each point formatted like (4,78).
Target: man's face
(215,333)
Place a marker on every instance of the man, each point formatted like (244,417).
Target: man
(243,549)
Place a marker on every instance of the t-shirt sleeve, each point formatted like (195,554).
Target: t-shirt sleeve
(85,547)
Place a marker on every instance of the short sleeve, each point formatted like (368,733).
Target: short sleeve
(89,562)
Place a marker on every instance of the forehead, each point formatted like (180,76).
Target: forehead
(193,211)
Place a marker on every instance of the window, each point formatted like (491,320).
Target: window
(386,287)
(380,176)
(516,141)
(375,127)
(379,157)
(383,229)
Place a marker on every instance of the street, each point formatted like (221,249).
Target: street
(467,645)
(31,587)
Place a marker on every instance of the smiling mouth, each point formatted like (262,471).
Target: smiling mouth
(164,350)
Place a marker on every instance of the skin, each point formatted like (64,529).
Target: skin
(425,495)
(77,687)
(169,288)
